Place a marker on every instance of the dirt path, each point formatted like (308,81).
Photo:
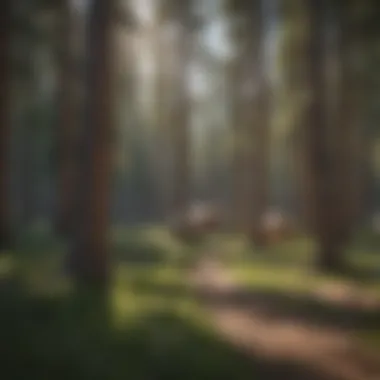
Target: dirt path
(326,353)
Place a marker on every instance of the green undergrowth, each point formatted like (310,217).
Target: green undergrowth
(292,263)
(283,279)
(148,325)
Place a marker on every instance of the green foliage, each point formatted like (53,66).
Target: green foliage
(60,342)
(289,264)
(149,327)
(147,244)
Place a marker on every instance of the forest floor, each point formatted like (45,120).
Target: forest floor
(289,316)
(251,315)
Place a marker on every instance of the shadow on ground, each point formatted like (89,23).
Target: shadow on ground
(298,308)
(73,337)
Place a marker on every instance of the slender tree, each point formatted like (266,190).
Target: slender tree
(361,54)
(67,130)
(182,13)
(347,127)
(316,136)
(235,71)
(258,121)
(291,99)
(5,31)
(162,144)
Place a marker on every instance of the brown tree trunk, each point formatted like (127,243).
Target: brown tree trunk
(5,30)
(28,193)
(181,112)
(346,127)
(297,86)
(89,258)
(238,158)
(355,75)
(258,130)
(330,258)
(249,119)
(326,194)
(162,143)
(318,157)
(67,121)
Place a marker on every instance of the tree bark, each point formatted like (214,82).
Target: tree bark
(5,31)
(326,195)
(249,118)
(89,257)
(238,114)
(67,128)
(162,144)
(329,257)
(346,130)
(258,126)
(181,112)
(238,158)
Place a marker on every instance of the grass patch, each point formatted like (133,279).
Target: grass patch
(146,244)
(283,281)
(290,266)
(371,339)
(149,326)
(291,263)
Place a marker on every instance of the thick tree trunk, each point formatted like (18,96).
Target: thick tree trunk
(257,123)
(330,258)
(182,112)
(296,74)
(90,260)
(249,118)
(67,130)
(354,45)
(5,30)
(325,196)
(346,136)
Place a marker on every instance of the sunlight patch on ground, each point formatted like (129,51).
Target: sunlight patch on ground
(6,265)
(140,291)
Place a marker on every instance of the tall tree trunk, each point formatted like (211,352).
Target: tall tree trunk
(295,87)
(28,195)
(356,51)
(238,158)
(181,112)
(347,125)
(5,31)
(326,194)
(162,144)
(90,260)
(249,119)
(258,126)
(67,121)
(261,157)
